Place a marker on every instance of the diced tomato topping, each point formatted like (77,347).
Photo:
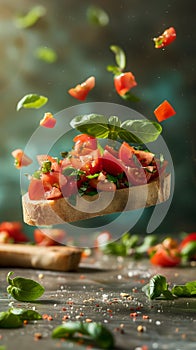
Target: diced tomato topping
(14,231)
(168,36)
(164,111)
(126,154)
(81,91)
(165,254)
(49,237)
(53,193)
(48,121)
(36,189)
(21,159)
(111,164)
(137,176)
(124,82)
(166,258)
(106,186)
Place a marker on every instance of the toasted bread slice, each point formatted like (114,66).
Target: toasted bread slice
(59,211)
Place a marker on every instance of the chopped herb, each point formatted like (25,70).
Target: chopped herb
(46,166)
(24,289)
(30,18)
(97,16)
(46,54)
(64,154)
(32,101)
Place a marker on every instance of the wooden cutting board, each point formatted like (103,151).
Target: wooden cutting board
(56,258)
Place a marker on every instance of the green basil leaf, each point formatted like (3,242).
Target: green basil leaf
(119,56)
(97,16)
(29,315)
(24,289)
(186,290)
(140,131)
(148,242)
(156,286)
(94,330)
(46,54)
(9,320)
(189,250)
(32,101)
(30,18)
(91,124)
(100,334)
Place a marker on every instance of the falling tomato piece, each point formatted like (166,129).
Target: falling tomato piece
(81,91)
(168,36)
(21,159)
(124,82)
(164,111)
(48,121)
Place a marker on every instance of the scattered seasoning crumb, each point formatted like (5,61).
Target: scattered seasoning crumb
(37,336)
(183,336)
(25,322)
(145,317)
(133,314)
(65,317)
(1,337)
(141,328)
(88,320)
(64,309)
(82,277)
(41,276)
(126,295)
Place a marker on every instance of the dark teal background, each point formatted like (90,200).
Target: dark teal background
(83,50)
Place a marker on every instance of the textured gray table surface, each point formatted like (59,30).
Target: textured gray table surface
(95,292)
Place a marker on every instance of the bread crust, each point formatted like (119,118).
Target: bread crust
(59,211)
(56,258)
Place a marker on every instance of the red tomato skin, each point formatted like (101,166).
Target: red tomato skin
(126,154)
(14,231)
(168,36)
(81,91)
(36,189)
(86,141)
(111,164)
(166,258)
(164,111)
(189,238)
(54,237)
(124,82)
(137,176)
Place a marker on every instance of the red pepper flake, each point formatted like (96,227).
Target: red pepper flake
(145,317)
(37,336)
(1,337)
(65,317)
(25,322)
(164,111)
(50,318)
(82,277)
(70,302)
(64,309)
(133,314)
